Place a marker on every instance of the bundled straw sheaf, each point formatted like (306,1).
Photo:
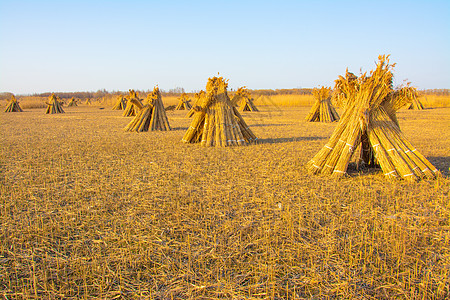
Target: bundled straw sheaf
(184,102)
(322,110)
(369,120)
(72,102)
(13,105)
(244,100)
(54,105)
(216,121)
(344,88)
(131,109)
(151,116)
(198,98)
(120,104)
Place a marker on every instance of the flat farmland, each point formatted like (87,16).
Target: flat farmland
(88,210)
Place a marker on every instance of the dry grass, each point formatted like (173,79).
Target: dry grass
(285,100)
(434,101)
(90,211)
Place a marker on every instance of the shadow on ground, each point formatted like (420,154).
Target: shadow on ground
(442,163)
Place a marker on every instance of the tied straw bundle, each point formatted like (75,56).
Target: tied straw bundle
(151,116)
(130,108)
(368,117)
(54,105)
(13,105)
(322,110)
(198,98)
(216,121)
(243,100)
(184,102)
(72,102)
(120,104)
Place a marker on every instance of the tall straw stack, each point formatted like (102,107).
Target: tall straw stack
(198,98)
(184,102)
(120,104)
(131,109)
(366,118)
(13,105)
(151,116)
(322,110)
(53,105)
(216,121)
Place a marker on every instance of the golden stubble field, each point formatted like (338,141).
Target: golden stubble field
(90,211)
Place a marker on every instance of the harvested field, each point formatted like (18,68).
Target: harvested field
(88,210)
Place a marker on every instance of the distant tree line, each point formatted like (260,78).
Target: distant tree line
(437,92)
(179,90)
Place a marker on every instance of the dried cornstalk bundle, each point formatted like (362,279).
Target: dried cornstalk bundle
(198,98)
(322,110)
(184,103)
(216,121)
(53,105)
(13,105)
(131,109)
(366,121)
(151,116)
(88,101)
(72,102)
(120,104)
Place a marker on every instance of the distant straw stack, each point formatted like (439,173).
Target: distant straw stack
(72,102)
(120,104)
(243,100)
(13,105)
(367,118)
(344,88)
(216,121)
(412,98)
(198,98)
(184,102)
(322,110)
(131,109)
(88,101)
(53,105)
(151,116)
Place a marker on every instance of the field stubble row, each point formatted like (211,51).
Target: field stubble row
(88,210)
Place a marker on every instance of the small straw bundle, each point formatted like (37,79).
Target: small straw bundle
(151,116)
(198,98)
(322,110)
(13,105)
(367,121)
(184,103)
(53,105)
(88,101)
(120,104)
(412,96)
(344,88)
(416,104)
(216,121)
(131,109)
(72,102)
(244,100)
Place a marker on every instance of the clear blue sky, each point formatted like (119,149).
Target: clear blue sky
(119,45)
